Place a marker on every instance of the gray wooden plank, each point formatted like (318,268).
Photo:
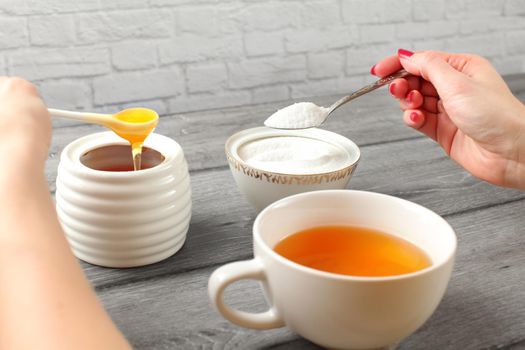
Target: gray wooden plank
(420,171)
(487,283)
(372,119)
(221,222)
(516,83)
(484,306)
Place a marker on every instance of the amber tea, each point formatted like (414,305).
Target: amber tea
(352,250)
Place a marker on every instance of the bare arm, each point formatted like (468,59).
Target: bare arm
(45,300)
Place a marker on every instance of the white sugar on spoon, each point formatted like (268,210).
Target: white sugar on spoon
(300,115)
(305,115)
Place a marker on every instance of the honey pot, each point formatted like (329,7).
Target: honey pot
(114,216)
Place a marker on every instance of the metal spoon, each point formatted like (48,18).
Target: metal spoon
(305,115)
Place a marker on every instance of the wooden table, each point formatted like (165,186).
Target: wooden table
(165,305)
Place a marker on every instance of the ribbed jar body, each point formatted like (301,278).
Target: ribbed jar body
(123,219)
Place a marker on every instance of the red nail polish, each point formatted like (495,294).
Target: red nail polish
(410,97)
(391,89)
(373,70)
(402,53)
(414,117)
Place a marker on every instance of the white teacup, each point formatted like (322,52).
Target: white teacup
(341,311)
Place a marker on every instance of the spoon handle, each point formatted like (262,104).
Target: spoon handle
(364,90)
(82,116)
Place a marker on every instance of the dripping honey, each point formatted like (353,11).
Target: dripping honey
(136,136)
(355,251)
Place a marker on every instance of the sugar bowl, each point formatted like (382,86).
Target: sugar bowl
(270,164)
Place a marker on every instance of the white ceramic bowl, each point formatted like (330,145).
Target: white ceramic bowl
(123,219)
(262,187)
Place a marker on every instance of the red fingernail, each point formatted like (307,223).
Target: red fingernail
(373,70)
(402,53)
(414,117)
(410,96)
(391,89)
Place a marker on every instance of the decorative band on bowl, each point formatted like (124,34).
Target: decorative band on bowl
(306,179)
(290,179)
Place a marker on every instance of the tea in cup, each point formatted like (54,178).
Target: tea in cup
(356,306)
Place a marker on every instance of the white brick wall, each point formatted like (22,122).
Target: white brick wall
(182,55)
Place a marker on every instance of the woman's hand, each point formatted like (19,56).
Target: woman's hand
(25,125)
(45,300)
(461,102)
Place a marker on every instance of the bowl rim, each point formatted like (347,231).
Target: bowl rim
(72,152)
(243,136)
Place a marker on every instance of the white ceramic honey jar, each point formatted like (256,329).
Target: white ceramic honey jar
(118,218)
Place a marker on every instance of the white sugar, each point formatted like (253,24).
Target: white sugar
(293,155)
(298,116)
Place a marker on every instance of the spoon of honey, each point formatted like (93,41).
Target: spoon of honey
(132,124)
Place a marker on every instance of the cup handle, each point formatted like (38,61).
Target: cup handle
(230,273)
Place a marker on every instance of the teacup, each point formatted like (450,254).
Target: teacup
(341,311)
(262,187)
(121,218)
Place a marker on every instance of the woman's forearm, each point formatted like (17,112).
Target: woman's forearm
(44,292)
(45,300)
